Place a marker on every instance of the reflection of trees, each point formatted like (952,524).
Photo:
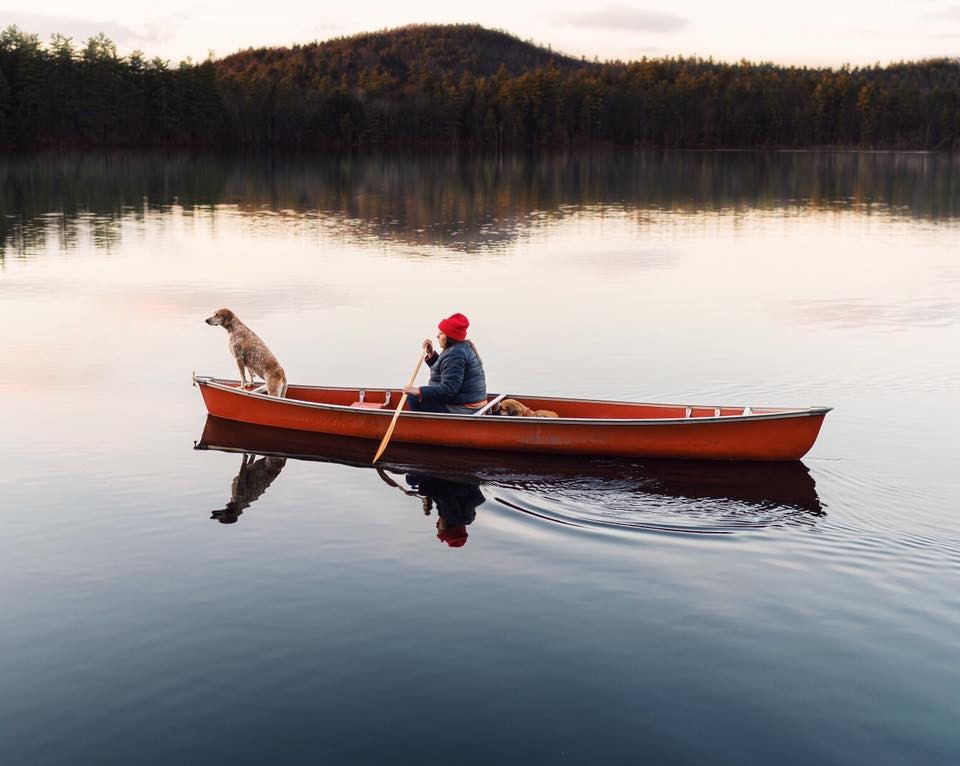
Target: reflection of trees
(64,198)
(461,202)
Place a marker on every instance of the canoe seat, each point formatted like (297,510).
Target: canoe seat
(364,404)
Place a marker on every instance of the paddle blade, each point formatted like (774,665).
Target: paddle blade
(389,433)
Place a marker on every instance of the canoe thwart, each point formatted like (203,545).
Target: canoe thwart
(489,405)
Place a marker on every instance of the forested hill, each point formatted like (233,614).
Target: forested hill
(402,53)
(459,86)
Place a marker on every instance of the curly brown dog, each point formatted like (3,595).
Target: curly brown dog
(514,408)
(251,353)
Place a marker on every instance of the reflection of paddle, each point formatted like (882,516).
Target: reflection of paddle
(426,502)
(390,482)
(403,400)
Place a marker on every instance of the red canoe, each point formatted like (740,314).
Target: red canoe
(585,426)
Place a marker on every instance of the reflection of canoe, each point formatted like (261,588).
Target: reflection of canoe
(782,483)
(585,427)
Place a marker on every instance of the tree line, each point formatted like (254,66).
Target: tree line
(459,85)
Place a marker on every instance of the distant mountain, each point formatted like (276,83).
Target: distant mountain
(448,49)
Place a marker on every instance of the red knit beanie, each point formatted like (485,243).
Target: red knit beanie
(454,326)
(455,536)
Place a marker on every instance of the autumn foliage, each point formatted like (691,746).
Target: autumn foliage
(459,86)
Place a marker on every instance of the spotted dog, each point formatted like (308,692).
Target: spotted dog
(251,353)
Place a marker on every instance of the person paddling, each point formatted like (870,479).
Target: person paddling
(457,381)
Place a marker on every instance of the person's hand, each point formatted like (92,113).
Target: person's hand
(412,391)
(427,348)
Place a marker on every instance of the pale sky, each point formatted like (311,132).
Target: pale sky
(814,32)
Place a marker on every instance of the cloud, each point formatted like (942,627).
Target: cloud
(159,30)
(325,26)
(949,13)
(153,32)
(622,17)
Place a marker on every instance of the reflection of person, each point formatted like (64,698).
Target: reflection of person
(251,482)
(457,382)
(456,503)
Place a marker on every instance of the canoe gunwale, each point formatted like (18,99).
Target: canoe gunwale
(231,387)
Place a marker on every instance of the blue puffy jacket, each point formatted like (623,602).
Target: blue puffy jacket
(456,376)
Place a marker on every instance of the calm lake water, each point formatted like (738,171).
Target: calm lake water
(164,604)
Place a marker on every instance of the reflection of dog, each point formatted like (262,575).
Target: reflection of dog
(514,408)
(251,353)
(252,481)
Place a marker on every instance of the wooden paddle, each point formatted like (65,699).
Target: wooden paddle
(403,400)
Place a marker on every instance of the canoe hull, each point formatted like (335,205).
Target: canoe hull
(786,483)
(773,435)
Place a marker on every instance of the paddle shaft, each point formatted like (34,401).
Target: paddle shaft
(396,414)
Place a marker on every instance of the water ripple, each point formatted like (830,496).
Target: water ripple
(644,503)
